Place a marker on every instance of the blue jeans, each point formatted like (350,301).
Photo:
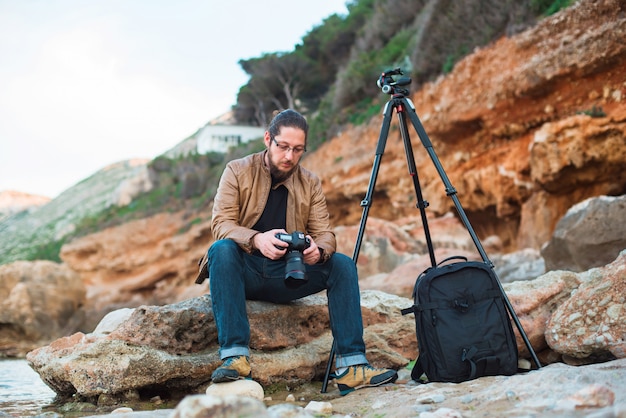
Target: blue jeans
(235,276)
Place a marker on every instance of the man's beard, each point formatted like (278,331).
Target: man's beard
(277,174)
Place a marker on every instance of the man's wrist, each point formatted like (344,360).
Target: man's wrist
(252,244)
(323,256)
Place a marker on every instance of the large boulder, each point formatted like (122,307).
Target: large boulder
(574,314)
(591,322)
(174,347)
(40,301)
(534,302)
(591,234)
(526,264)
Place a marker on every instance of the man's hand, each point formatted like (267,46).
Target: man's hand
(312,254)
(269,245)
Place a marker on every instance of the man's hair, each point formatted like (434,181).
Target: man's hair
(289,118)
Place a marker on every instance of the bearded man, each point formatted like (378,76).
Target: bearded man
(258,197)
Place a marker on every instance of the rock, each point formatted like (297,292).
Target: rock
(526,264)
(174,347)
(319,408)
(242,387)
(591,234)
(591,322)
(40,301)
(113,320)
(554,390)
(442,413)
(401,280)
(592,396)
(563,153)
(122,410)
(287,410)
(386,246)
(132,187)
(228,406)
(118,264)
(534,302)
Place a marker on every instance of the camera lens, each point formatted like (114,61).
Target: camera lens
(295,273)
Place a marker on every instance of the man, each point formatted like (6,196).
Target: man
(259,196)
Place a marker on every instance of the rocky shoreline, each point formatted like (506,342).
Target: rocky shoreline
(556,390)
(172,350)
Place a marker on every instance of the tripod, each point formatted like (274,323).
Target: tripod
(405,108)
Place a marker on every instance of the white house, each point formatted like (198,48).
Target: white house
(220,137)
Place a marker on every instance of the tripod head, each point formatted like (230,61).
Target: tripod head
(389,85)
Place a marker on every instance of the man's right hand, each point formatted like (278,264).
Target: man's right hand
(270,246)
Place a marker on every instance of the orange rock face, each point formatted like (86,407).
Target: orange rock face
(524,129)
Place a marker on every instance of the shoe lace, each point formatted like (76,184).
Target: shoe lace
(367,367)
(229,361)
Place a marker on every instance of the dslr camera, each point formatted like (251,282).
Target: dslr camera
(295,271)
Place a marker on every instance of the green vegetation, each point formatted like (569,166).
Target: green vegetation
(331,76)
(193,222)
(452,59)
(48,251)
(549,7)
(364,111)
(183,183)
(594,112)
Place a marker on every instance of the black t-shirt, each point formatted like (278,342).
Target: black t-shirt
(275,213)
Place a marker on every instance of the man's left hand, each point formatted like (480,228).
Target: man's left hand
(312,254)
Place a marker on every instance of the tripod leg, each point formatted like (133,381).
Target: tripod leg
(410,159)
(329,366)
(366,203)
(451,191)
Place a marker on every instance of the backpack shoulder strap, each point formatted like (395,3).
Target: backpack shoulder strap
(418,371)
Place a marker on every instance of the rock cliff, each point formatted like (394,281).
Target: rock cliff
(524,128)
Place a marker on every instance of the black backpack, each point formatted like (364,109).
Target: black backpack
(463,328)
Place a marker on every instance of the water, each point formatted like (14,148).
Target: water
(22,392)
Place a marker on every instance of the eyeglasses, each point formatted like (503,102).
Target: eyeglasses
(286,148)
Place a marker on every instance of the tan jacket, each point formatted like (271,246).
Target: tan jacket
(243,192)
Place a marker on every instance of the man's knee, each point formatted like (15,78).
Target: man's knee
(343,262)
(223,247)
(341,259)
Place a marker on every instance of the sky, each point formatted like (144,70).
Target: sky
(88,83)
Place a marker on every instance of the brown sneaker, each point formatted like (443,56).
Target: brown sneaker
(363,375)
(233,368)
